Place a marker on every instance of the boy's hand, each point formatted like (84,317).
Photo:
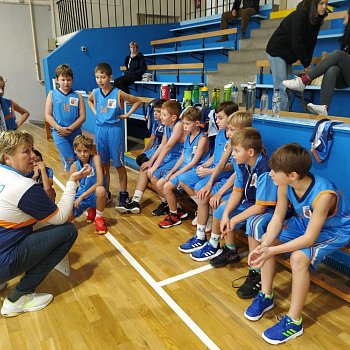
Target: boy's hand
(123,116)
(41,165)
(151,170)
(36,172)
(64,131)
(259,255)
(204,192)
(77,202)
(145,165)
(85,171)
(215,201)
(225,227)
(201,171)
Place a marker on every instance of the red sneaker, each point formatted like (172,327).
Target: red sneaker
(181,213)
(91,215)
(169,221)
(100,225)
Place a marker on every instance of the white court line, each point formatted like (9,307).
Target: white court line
(59,183)
(184,275)
(158,289)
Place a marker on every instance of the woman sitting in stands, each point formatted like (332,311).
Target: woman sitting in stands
(336,70)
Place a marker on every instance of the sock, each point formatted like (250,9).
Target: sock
(305,79)
(270,296)
(200,233)
(99,213)
(163,200)
(296,321)
(255,269)
(210,211)
(231,246)
(173,212)
(137,196)
(214,240)
(16,295)
(195,199)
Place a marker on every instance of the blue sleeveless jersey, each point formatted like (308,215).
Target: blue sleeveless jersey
(108,108)
(90,180)
(304,206)
(176,151)
(221,142)
(190,149)
(65,107)
(157,129)
(9,113)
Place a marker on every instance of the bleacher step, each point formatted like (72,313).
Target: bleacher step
(245,56)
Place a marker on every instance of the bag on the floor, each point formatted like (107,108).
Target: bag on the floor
(147,77)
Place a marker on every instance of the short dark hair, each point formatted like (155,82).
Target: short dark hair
(64,70)
(247,138)
(192,114)
(228,107)
(104,68)
(38,154)
(159,103)
(291,158)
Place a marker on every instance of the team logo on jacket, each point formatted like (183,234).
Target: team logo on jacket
(254,180)
(112,103)
(307,211)
(73,101)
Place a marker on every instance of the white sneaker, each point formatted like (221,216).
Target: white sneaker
(317,109)
(209,225)
(2,286)
(194,221)
(294,84)
(26,303)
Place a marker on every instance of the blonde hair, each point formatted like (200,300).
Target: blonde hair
(247,138)
(240,120)
(84,141)
(11,140)
(192,114)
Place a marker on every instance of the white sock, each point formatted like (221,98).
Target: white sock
(214,240)
(200,233)
(99,213)
(195,199)
(137,196)
(163,200)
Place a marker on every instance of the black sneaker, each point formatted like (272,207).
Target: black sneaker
(130,207)
(123,200)
(251,287)
(227,256)
(163,209)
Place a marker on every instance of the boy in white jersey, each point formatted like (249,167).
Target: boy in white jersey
(106,102)
(321,226)
(65,112)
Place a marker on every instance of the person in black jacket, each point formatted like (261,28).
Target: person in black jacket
(135,66)
(250,8)
(336,70)
(294,40)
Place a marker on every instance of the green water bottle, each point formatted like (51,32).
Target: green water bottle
(187,97)
(195,94)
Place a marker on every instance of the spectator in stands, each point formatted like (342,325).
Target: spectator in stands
(321,226)
(336,70)
(250,8)
(294,40)
(135,66)
(24,203)
(8,109)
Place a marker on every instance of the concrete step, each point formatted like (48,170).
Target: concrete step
(238,68)
(244,56)
(262,34)
(271,23)
(251,44)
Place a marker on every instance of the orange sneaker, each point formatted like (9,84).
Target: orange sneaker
(100,225)
(91,215)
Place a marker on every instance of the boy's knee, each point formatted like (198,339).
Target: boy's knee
(100,191)
(299,261)
(168,187)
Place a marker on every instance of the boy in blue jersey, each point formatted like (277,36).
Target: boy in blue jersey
(65,112)
(8,109)
(254,193)
(321,226)
(156,134)
(106,102)
(91,194)
(195,152)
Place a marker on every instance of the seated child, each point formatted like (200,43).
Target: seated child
(195,152)
(214,192)
(163,159)
(91,194)
(43,175)
(321,226)
(156,135)
(254,193)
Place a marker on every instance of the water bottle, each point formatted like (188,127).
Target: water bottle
(215,98)
(250,101)
(276,103)
(227,92)
(234,94)
(204,97)
(187,97)
(264,103)
(172,92)
(195,94)
(164,91)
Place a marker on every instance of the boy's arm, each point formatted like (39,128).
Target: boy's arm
(149,163)
(48,113)
(132,99)
(232,204)
(46,180)
(175,167)
(22,111)
(150,142)
(208,163)
(91,102)
(82,115)
(216,198)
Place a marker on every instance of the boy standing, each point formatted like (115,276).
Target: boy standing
(106,102)
(91,194)
(196,148)
(322,225)
(65,112)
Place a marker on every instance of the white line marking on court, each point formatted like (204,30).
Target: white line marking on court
(184,275)
(163,294)
(157,288)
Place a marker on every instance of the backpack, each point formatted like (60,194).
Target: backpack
(322,139)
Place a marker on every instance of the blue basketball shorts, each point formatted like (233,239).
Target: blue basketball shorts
(88,202)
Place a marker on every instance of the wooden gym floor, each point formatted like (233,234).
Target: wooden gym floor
(133,289)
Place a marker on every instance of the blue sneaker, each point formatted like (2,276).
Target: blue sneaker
(286,329)
(192,245)
(206,252)
(258,307)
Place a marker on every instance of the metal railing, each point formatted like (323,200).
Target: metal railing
(74,15)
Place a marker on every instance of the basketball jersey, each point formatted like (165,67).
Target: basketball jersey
(108,107)
(304,206)
(176,151)
(90,180)
(221,142)
(65,107)
(190,149)
(157,129)
(9,113)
